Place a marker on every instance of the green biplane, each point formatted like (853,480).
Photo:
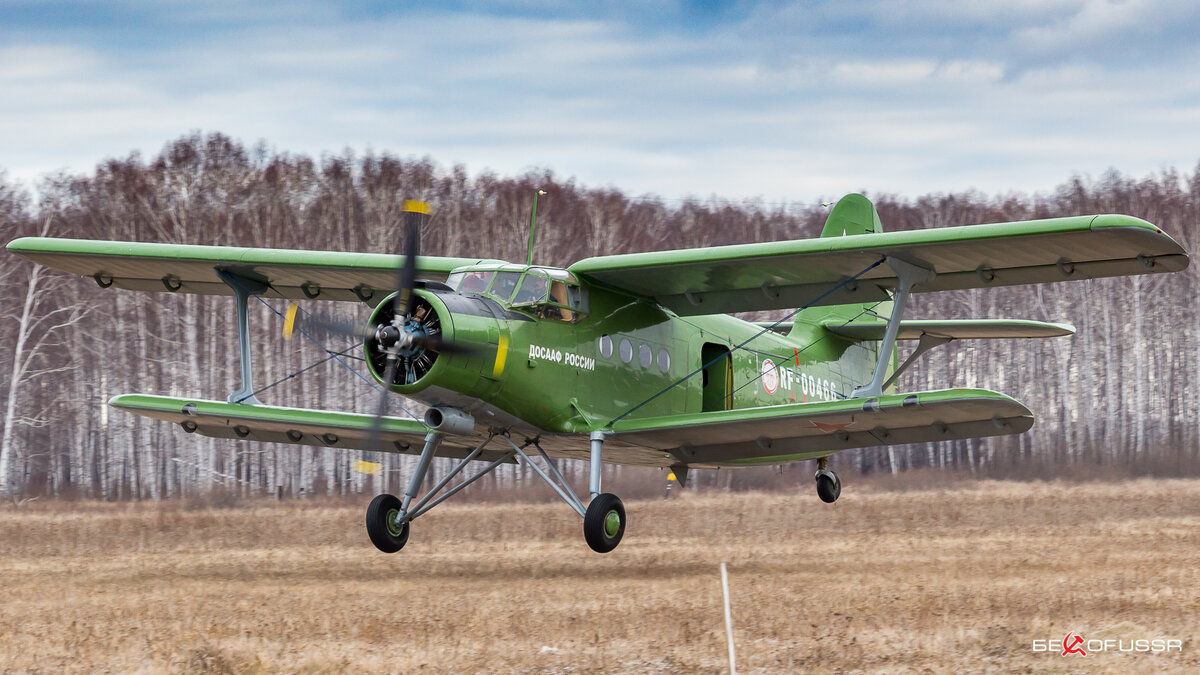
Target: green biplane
(631,359)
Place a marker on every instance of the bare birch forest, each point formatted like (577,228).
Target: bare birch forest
(1121,397)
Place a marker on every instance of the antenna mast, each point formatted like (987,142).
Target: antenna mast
(533,225)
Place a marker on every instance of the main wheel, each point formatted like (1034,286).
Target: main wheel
(381,524)
(829,487)
(604,523)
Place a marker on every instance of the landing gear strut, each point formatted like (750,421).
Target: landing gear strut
(604,520)
(388,517)
(829,486)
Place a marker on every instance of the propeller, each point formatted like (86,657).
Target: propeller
(403,339)
(392,337)
(320,325)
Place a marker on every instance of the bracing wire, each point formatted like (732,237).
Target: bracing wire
(747,341)
(298,373)
(336,356)
(801,350)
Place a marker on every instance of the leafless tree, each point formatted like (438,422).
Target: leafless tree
(1124,394)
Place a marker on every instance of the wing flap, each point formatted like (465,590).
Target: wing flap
(780,275)
(958,329)
(787,433)
(299,426)
(179,268)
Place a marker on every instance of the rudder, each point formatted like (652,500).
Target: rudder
(853,214)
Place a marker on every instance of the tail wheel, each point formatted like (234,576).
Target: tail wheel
(604,523)
(829,486)
(381,524)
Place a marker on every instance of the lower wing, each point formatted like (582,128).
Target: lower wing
(767,435)
(321,428)
(787,433)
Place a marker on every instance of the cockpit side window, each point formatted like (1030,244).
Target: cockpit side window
(532,290)
(559,296)
(575,295)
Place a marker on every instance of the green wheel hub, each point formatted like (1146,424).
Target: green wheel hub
(390,521)
(612,523)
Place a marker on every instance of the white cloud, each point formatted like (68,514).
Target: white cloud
(941,96)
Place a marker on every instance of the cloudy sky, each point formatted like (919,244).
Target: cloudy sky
(788,101)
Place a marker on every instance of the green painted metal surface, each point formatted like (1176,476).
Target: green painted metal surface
(959,329)
(181,268)
(786,274)
(321,428)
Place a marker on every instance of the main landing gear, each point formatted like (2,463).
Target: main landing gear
(382,516)
(829,486)
(604,523)
(388,517)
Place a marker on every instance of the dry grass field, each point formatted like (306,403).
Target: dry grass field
(961,579)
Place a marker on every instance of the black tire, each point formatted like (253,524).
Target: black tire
(604,523)
(828,488)
(381,528)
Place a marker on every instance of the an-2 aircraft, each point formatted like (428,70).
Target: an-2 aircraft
(632,359)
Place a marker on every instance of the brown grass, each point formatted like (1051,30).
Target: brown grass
(953,580)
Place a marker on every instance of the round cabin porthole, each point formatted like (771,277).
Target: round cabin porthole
(626,351)
(645,355)
(606,346)
(664,360)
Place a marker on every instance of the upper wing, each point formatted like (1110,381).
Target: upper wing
(786,274)
(139,266)
(321,428)
(797,431)
(958,329)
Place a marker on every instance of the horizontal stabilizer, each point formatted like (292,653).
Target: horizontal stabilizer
(956,329)
(787,433)
(180,268)
(293,425)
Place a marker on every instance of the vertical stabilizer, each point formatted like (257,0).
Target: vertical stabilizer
(853,214)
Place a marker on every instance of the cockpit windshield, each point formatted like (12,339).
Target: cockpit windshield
(475,282)
(504,285)
(544,292)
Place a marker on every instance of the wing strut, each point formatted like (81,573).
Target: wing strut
(243,288)
(926,342)
(908,274)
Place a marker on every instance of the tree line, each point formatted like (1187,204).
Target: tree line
(1121,396)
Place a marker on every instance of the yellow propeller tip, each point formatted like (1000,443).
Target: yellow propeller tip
(411,206)
(289,321)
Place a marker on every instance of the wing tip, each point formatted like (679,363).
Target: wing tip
(24,244)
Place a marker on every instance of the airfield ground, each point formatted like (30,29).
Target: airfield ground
(962,579)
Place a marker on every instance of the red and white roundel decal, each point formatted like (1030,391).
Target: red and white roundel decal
(770,376)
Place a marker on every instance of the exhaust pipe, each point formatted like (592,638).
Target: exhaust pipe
(449,421)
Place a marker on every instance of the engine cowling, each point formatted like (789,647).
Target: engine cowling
(468,323)
(416,361)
